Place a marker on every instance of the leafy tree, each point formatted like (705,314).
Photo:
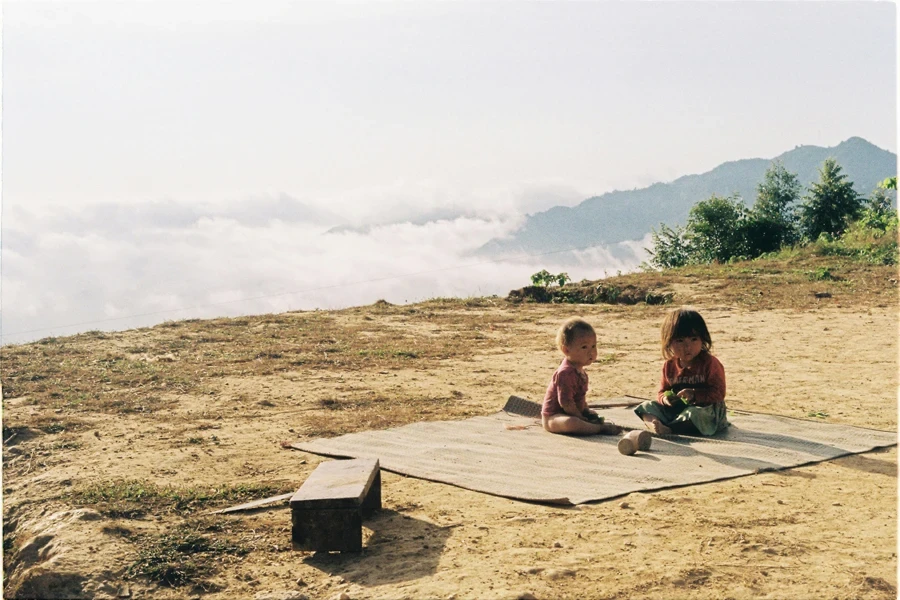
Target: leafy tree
(715,229)
(773,219)
(670,248)
(889,184)
(718,229)
(830,204)
(762,234)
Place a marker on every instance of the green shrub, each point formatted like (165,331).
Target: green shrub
(820,274)
(544,278)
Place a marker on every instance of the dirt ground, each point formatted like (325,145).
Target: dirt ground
(823,531)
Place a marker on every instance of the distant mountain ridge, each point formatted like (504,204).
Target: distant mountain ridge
(620,216)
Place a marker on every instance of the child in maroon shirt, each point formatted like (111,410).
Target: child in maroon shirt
(691,396)
(565,408)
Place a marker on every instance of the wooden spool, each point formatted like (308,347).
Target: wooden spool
(633,441)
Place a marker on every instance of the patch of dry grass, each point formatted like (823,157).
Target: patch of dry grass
(140,371)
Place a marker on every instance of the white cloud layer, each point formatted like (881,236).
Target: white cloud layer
(110,267)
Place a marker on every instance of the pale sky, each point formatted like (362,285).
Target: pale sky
(150,148)
(130,100)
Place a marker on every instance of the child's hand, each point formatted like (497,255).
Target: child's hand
(667,398)
(591,416)
(687,395)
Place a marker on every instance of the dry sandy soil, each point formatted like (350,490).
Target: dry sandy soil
(827,530)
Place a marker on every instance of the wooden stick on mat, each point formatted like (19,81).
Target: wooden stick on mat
(619,404)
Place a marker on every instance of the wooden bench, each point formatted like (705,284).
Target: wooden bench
(328,509)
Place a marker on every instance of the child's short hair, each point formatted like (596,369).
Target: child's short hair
(570,330)
(683,322)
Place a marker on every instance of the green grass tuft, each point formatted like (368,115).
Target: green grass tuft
(179,557)
(132,498)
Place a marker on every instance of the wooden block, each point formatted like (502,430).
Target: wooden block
(339,484)
(328,509)
(327,529)
(372,500)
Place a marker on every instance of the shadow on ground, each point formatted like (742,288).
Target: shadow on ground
(870,463)
(383,561)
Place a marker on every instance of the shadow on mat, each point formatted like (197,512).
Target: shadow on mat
(401,548)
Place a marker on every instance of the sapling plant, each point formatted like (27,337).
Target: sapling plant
(544,278)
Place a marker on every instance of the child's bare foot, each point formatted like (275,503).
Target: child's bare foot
(609,429)
(655,425)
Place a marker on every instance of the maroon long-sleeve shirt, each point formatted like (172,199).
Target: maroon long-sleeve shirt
(566,383)
(705,375)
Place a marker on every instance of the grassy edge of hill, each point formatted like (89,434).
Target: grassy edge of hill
(795,279)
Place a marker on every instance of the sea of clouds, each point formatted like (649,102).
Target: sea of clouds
(110,266)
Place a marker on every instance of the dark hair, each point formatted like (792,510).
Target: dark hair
(570,330)
(683,322)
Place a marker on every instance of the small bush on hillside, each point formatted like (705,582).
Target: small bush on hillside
(544,278)
(820,274)
(862,243)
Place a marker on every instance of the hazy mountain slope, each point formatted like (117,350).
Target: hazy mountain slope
(629,215)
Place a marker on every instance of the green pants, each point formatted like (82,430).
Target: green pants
(708,420)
